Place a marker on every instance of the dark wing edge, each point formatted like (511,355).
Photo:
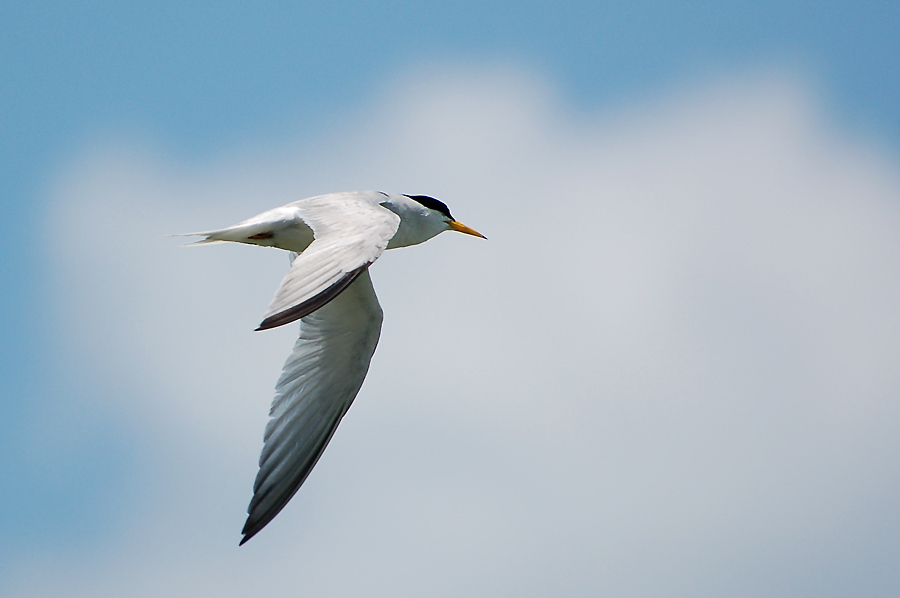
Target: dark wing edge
(292,314)
(256,521)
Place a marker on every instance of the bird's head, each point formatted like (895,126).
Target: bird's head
(421,218)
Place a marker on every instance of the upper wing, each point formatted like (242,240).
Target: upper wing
(351,230)
(318,384)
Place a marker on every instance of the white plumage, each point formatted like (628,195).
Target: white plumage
(328,288)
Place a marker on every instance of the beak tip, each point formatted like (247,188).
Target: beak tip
(462,228)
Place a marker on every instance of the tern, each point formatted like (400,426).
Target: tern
(333,239)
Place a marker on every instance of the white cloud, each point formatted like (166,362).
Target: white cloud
(673,364)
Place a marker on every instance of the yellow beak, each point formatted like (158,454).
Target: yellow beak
(462,228)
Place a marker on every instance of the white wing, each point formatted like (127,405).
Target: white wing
(351,230)
(319,382)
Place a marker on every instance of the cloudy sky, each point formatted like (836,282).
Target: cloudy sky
(672,371)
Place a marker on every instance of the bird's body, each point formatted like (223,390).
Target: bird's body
(336,238)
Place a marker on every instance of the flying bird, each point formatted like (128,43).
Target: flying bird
(333,239)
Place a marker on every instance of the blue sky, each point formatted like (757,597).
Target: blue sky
(195,77)
(193,85)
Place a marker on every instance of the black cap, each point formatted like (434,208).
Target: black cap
(432,204)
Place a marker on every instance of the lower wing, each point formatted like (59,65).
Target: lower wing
(319,382)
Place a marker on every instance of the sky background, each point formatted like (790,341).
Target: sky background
(671,371)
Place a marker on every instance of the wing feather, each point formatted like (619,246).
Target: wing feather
(321,378)
(351,231)
(307,306)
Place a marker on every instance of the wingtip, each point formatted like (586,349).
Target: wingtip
(247,532)
(251,530)
(269,323)
(301,310)
(275,321)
